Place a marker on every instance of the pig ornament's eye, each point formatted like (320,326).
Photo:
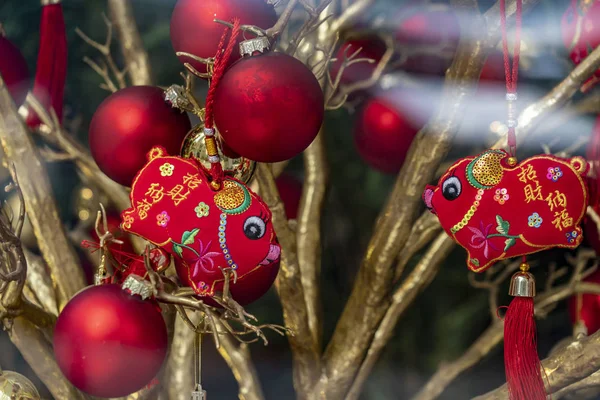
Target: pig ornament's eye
(451,188)
(254,228)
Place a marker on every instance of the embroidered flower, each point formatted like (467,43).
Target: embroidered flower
(163,219)
(534,220)
(204,261)
(202,209)
(480,238)
(571,236)
(127,221)
(554,174)
(501,196)
(166,169)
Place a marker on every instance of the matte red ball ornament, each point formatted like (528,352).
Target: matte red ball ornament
(290,191)
(194,31)
(370,47)
(14,71)
(109,343)
(580,28)
(586,307)
(427,38)
(268,107)
(386,127)
(128,124)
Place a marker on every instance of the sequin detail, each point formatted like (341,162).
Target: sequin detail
(486,171)
(467,217)
(223,242)
(202,209)
(163,219)
(501,196)
(571,236)
(234,198)
(534,220)
(554,174)
(166,169)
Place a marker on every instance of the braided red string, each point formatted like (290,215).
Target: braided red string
(221,59)
(511,73)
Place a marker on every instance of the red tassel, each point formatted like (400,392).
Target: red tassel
(521,362)
(51,73)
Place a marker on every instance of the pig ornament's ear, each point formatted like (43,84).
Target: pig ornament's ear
(486,171)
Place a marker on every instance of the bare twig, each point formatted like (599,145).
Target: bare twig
(136,57)
(104,49)
(283,20)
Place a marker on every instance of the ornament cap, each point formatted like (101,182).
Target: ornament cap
(138,285)
(175,95)
(260,44)
(522,284)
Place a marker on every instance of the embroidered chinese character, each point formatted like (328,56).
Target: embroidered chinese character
(142,208)
(155,191)
(533,193)
(192,181)
(556,199)
(176,194)
(527,174)
(562,220)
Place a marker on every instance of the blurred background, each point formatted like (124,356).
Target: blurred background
(450,314)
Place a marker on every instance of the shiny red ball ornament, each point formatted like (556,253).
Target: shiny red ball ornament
(194,31)
(128,124)
(290,191)
(580,27)
(14,71)
(370,47)
(493,69)
(268,107)
(108,342)
(386,127)
(586,307)
(427,38)
(246,290)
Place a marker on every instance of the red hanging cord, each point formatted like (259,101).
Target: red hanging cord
(221,59)
(511,73)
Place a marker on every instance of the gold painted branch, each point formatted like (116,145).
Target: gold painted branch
(306,355)
(39,202)
(136,57)
(370,297)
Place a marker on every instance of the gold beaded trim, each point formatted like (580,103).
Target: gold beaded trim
(467,217)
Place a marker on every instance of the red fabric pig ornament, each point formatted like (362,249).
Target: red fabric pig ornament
(206,230)
(498,211)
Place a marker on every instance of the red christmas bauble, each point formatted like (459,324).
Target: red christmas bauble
(589,307)
(386,127)
(14,71)
(128,124)
(269,107)
(427,38)
(194,31)
(370,47)
(493,68)
(246,290)
(109,343)
(290,191)
(580,28)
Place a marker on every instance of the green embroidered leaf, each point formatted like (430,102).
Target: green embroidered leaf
(508,243)
(177,249)
(188,237)
(475,262)
(503,226)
